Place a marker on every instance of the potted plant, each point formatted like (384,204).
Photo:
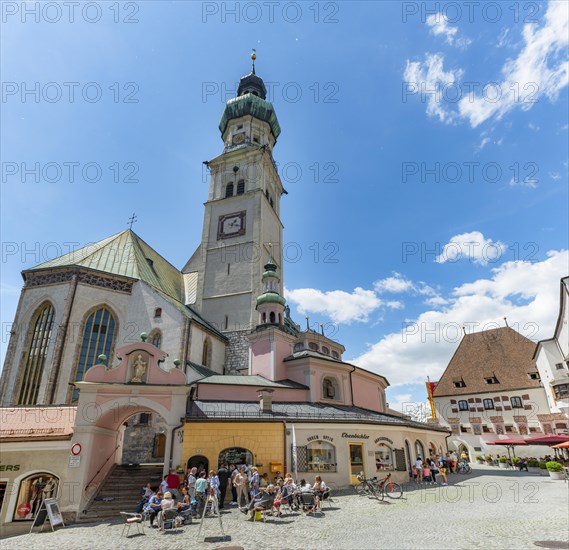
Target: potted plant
(555,470)
(543,468)
(533,466)
(489,460)
(515,461)
(479,459)
(502,461)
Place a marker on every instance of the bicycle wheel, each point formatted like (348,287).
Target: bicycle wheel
(393,490)
(378,491)
(362,488)
(466,469)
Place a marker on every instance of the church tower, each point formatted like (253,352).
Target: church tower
(224,277)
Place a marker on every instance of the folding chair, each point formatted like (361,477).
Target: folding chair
(131,519)
(308,502)
(168,520)
(327,497)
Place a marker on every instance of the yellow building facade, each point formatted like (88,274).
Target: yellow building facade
(261,444)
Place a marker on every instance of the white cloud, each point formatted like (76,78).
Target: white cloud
(338,305)
(426,344)
(485,141)
(554,176)
(396,283)
(534,127)
(439,25)
(472,246)
(429,80)
(540,69)
(395,304)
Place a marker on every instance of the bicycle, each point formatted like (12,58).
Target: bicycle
(365,487)
(388,488)
(463,468)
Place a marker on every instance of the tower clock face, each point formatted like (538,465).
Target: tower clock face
(231,225)
(238,138)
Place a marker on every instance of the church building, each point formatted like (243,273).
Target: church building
(118,357)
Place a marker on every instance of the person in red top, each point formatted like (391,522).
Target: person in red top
(173,481)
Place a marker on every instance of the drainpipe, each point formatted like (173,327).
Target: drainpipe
(65,322)
(284,446)
(351,386)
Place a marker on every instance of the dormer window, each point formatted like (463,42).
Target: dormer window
(533,375)
(491,380)
(459,384)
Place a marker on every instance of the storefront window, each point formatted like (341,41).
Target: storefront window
(237,456)
(384,458)
(321,456)
(33,490)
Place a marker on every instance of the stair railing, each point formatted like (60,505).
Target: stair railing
(99,470)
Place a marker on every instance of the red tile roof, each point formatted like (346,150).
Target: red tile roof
(38,423)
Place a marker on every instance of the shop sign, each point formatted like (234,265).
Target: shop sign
(323,438)
(355,436)
(384,439)
(24,509)
(9,467)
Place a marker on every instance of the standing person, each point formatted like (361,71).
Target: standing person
(419,466)
(173,481)
(223,476)
(426,470)
(240,486)
(434,471)
(164,485)
(254,483)
(443,470)
(201,489)
(233,471)
(213,482)
(191,482)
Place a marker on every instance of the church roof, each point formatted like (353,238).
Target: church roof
(124,254)
(253,105)
(250,380)
(502,353)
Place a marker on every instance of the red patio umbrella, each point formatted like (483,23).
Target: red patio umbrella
(547,440)
(564,445)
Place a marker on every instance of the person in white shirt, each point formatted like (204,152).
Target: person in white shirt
(419,466)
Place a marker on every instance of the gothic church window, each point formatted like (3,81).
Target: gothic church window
(206,353)
(98,336)
(36,355)
(156,339)
(229,190)
(240,187)
(272,317)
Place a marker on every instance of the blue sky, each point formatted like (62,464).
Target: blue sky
(424,152)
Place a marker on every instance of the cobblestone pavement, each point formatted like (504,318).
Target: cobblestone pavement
(491,508)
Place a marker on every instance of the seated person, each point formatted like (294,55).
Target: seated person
(263,502)
(154,506)
(305,487)
(319,488)
(285,494)
(184,504)
(168,503)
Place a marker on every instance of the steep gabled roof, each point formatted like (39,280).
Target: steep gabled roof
(501,352)
(127,255)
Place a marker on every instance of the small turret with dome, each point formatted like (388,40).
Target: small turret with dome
(270,304)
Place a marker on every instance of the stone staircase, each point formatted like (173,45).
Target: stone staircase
(123,485)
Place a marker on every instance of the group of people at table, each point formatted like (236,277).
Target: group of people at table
(251,492)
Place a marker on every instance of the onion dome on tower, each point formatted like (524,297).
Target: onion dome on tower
(270,304)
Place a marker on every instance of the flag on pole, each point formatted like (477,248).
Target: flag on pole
(430,389)
(294,454)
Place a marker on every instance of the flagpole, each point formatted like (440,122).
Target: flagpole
(294,454)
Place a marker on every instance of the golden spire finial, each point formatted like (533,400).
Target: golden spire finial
(253,57)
